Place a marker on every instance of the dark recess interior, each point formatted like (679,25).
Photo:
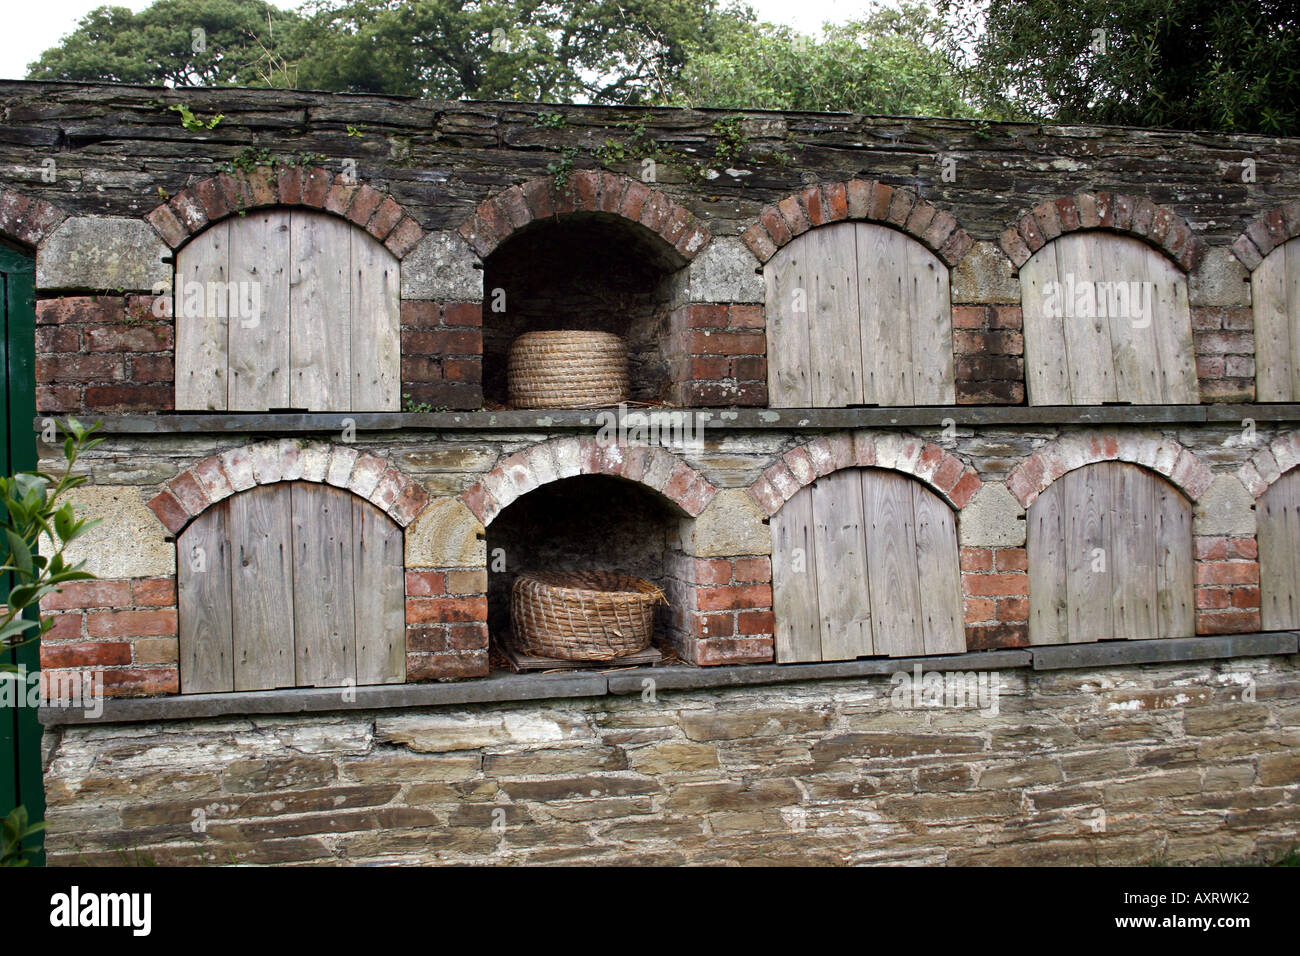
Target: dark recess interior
(584,272)
(591,522)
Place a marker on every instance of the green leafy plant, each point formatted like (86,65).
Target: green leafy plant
(561,169)
(192,122)
(32,511)
(418,408)
(14,831)
(353,131)
(551,120)
(731,139)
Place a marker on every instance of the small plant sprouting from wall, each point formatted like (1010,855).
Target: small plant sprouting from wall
(550,121)
(192,122)
(251,157)
(561,169)
(731,140)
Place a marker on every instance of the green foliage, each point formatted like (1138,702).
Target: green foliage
(14,831)
(1184,64)
(245,43)
(30,501)
(192,122)
(250,157)
(561,169)
(603,51)
(550,120)
(891,61)
(31,511)
(353,131)
(418,408)
(731,141)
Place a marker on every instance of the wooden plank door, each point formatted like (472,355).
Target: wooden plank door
(858,313)
(290,585)
(1078,352)
(1110,557)
(864,563)
(327,333)
(1278,517)
(1275,294)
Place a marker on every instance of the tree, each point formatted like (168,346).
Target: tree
(891,61)
(1185,64)
(242,43)
(602,51)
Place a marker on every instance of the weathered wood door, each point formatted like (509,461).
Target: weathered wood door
(290,585)
(287,309)
(1106,319)
(1110,556)
(1275,292)
(864,563)
(1278,530)
(858,314)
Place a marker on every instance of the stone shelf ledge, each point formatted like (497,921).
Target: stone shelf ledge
(524,687)
(965,416)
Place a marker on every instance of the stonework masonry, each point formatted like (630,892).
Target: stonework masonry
(1193,764)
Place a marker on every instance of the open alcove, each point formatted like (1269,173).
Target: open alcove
(586,272)
(589,522)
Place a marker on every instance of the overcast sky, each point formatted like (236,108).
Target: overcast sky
(35,25)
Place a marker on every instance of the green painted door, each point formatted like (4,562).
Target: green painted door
(20,733)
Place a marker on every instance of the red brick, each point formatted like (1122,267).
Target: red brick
(426,583)
(835,201)
(1011,559)
(734,597)
(775,225)
(124,398)
(141,681)
(723,651)
(405,236)
(746,317)
(66,626)
(996,585)
(715,625)
(80,368)
(1013,610)
(1227,572)
(811,198)
(752,569)
(980,610)
(388,215)
(463,313)
(969,317)
(86,654)
(290,186)
(988,637)
(448,609)
(755,622)
(169,511)
(154,623)
(976,559)
(82,594)
(1227,622)
(153,592)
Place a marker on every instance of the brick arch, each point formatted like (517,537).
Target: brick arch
(1270,463)
(652,466)
(1158,226)
(1165,457)
(1265,233)
(501,216)
(27,220)
(946,474)
(218,477)
(197,206)
(858,200)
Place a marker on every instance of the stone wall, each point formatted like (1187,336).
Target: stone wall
(1194,763)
